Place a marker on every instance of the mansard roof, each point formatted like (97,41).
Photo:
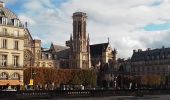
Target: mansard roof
(154,54)
(5,12)
(8,17)
(62,52)
(97,49)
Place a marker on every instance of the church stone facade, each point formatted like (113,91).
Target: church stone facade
(79,43)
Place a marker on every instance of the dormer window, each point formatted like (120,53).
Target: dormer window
(16,22)
(4,21)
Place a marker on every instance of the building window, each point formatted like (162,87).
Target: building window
(148,68)
(16,76)
(4,75)
(16,22)
(46,56)
(4,43)
(15,61)
(4,31)
(16,33)
(4,21)
(3,60)
(16,45)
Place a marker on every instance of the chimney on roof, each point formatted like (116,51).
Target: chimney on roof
(139,50)
(163,47)
(149,49)
(134,51)
(2,4)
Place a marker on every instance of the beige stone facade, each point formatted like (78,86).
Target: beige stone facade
(12,34)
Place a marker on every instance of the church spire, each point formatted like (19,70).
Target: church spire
(88,38)
(108,40)
(71,37)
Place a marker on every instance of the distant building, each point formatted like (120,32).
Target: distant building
(151,61)
(56,56)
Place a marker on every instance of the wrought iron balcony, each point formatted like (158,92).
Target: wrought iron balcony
(10,67)
(11,35)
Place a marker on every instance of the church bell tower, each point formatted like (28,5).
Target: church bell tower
(80,49)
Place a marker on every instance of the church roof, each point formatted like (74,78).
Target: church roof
(97,49)
(58,48)
(63,54)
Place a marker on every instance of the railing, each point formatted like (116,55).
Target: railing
(12,25)
(10,67)
(8,35)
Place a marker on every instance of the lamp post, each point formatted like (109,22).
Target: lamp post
(31,78)
(168,76)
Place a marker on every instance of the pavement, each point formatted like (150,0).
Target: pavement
(145,97)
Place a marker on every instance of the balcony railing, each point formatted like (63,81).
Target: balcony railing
(11,66)
(10,35)
(12,25)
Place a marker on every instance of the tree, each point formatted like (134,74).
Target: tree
(60,76)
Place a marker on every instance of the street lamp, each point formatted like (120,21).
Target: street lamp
(168,76)
(31,78)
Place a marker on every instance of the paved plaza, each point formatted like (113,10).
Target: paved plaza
(147,97)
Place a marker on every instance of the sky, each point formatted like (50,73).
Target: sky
(129,24)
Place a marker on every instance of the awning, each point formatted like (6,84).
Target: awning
(11,82)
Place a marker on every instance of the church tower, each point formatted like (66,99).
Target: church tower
(79,43)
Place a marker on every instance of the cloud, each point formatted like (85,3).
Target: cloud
(26,19)
(124,21)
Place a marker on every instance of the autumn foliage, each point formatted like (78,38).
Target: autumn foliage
(60,76)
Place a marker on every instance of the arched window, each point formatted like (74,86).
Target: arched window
(4,75)
(15,76)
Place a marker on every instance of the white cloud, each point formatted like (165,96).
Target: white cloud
(121,20)
(26,19)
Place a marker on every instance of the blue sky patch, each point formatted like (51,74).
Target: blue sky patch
(157,27)
(156,3)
